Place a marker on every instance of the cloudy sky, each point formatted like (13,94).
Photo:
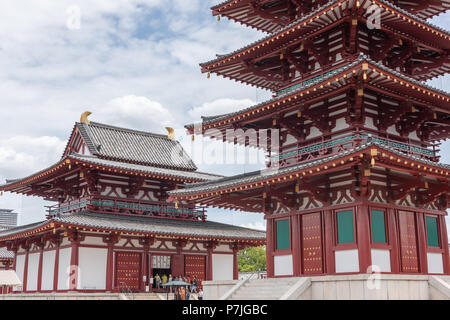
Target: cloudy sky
(132,63)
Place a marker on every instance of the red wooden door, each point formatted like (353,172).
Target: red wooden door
(128,270)
(195,266)
(312,243)
(408,242)
(177,266)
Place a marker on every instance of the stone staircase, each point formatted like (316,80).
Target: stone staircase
(264,289)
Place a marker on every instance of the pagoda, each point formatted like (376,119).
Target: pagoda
(111,227)
(355,185)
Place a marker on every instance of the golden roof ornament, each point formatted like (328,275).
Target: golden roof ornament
(84,117)
(171,133)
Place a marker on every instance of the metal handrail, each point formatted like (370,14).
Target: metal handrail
(128,290)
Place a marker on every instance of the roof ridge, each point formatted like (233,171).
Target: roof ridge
(114,127)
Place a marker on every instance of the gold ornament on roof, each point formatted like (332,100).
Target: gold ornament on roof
(171,133)
(84,117)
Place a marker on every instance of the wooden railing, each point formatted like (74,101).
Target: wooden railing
(103,204)
(327,146)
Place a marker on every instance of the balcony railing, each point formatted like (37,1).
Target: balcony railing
(110,205)
(327,146)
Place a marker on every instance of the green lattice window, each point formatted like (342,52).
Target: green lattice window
(282,233)
(345,227)
(432,231)
(378,226)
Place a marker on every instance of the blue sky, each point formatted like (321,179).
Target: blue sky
(131,63)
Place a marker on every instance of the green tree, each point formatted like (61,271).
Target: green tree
(252,259)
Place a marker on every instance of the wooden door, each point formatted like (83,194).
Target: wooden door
(408,242)
(312,243)
(128,270)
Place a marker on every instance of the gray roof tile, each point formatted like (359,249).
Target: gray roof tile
(158,226)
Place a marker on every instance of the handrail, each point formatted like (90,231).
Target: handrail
(321,147)
(128,290)
(236,287)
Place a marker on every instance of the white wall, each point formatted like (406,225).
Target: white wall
(33,268)
(347,261)
(92,263)
(382,259)
(20,266)
(435,263)
(222,265)
(283,265)
(48,270)
(63,268)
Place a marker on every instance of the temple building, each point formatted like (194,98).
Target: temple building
(111,227)
(356,185)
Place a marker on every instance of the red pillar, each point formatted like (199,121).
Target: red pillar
(235,264)
(73,283)
(269,247)
(421,242)
(56,269)
(329,242)
(296,247)
(109,267)
(209,274)
(25,269)
(363,237)
(444,243)
(41,258)
(394,241)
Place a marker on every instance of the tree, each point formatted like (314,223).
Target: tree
(252,259)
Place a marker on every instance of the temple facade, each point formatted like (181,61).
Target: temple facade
(354,184)
(111,227)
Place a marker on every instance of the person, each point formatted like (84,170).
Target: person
(164,278)
(200,294)
(158,281)
(188,293)
(194,284)
(182,293)
(170,280)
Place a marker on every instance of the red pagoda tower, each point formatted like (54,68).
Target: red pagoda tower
(112,228)
(356,184)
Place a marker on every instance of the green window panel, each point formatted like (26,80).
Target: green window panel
(282,231)
(432,231)
(345,231)
(378,226)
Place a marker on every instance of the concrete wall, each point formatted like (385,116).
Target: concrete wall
(213,290)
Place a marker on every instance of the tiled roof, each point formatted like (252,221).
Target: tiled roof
(110,142)
(362,57)
(146,169)
(157,226)
(5,254)
(268,173)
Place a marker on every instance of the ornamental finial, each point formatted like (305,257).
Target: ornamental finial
(171,133)
(84,117)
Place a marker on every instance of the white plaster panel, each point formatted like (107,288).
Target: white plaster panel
(347,261)
(97,241)
(222,265)
(283,265)
(65,242)
(435,263)
(20,266)
(92,263)
(32,274)
(382,259)
(64,268)
(223,248)
(48,270)
(340,124)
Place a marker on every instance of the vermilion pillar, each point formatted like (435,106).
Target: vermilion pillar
(444,238)
(421,242)
(73,276)
(329,242)
(25,268)
(269,246)
(394,241)
(110,240)
(235,263)
(363,238)
(56,269)
(41,258)
(296,249)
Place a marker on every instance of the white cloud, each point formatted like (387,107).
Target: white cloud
(135,112)
(220,106)
(255,225)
